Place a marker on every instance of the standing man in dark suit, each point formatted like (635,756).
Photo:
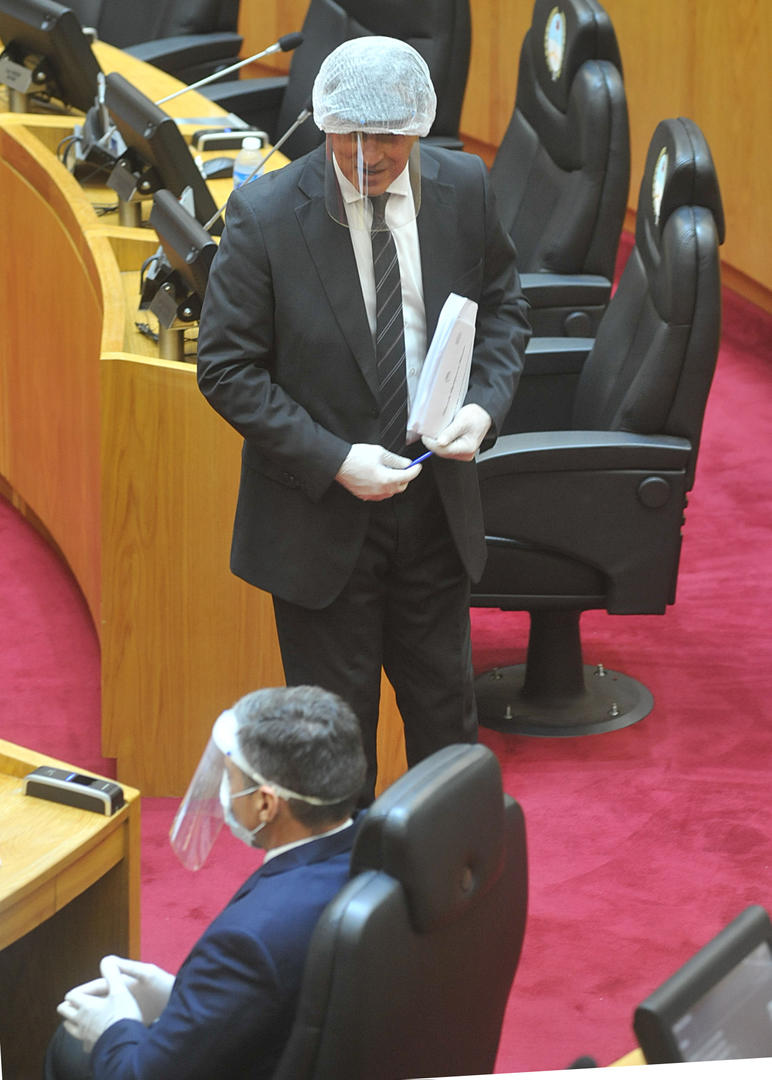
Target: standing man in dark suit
(286,766)
(368,556)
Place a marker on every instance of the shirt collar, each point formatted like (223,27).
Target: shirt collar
(306,840)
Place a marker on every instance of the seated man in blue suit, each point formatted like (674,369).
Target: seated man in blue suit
(284,769)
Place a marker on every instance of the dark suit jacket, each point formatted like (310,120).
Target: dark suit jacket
(234,999)
(286,356)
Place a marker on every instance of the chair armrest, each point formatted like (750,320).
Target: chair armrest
(449,142)
(612,500)
(570,304)
(545,394)
(172,54)
(575,451)
(562,290)
(556,355)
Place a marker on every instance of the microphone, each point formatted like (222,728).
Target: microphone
(98,140)
(301,118)
(286,43)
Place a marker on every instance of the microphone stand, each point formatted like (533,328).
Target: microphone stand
(285,44)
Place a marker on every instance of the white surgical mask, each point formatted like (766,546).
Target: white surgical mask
(241,832)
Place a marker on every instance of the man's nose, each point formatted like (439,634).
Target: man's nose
(372,151)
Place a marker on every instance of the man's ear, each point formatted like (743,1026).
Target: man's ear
(268,803)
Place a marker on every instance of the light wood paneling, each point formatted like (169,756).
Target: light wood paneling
(656,86)
(733,106)
(170,468)
(498,28)
(262,24)
(52,323)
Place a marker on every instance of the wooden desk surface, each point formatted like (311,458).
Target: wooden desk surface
(50,853)
(69,894)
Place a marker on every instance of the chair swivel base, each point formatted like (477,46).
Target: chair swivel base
(608,701)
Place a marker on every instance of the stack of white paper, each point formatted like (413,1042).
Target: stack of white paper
(445,375)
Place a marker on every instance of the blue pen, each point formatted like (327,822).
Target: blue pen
(418,460)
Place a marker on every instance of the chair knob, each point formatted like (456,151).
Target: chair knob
(654,492)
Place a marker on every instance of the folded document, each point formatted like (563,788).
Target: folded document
(445,375)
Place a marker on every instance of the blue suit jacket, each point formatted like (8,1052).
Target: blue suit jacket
(235,996)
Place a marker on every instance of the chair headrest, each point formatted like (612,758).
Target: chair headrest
(679,171)
(564,36)
(439,830)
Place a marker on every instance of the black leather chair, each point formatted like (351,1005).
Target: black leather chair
(438,29)
(591,516)
(410,966)
(561,174)
(190,39)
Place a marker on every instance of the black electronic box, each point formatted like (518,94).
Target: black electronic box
(74,789)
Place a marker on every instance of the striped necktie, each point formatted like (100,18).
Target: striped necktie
(389,331)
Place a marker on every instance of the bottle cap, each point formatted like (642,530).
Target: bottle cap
(251,142)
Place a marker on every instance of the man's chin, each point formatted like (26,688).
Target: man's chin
(375,185)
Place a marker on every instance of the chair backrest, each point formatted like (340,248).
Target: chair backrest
(562,172)
(653,359)
(122,24)
(438,29)
(411,964)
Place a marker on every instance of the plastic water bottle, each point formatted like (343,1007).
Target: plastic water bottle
(248,158)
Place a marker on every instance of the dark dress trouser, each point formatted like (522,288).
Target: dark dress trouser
(406,608)
(65,1058)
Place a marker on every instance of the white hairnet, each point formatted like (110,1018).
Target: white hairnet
(376,84)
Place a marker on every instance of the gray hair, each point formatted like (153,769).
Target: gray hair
(308,740)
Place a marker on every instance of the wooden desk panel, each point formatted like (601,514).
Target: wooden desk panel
(69,894)
(52,326)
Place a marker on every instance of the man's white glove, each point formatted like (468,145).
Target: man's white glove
(462,437)
(149,985)
(373,473)
(90,1009)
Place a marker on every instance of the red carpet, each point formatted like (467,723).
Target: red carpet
(643,842)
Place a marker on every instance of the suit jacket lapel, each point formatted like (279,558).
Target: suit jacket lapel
(436,220)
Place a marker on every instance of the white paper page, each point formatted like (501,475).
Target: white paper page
(445,374)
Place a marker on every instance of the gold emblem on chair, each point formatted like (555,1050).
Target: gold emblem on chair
(555,42)
(658,183)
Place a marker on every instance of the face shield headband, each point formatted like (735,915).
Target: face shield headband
(200,816)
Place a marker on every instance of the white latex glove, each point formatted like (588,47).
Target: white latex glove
(373,473)
(462,437)
(90,1009)
(149,985)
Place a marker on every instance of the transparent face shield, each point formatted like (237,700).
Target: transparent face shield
(363,165)
(201,815)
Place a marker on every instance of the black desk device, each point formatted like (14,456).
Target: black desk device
(74,789)
(215,168)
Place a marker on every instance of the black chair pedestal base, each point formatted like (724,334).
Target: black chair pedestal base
(554,693)
(610,702)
